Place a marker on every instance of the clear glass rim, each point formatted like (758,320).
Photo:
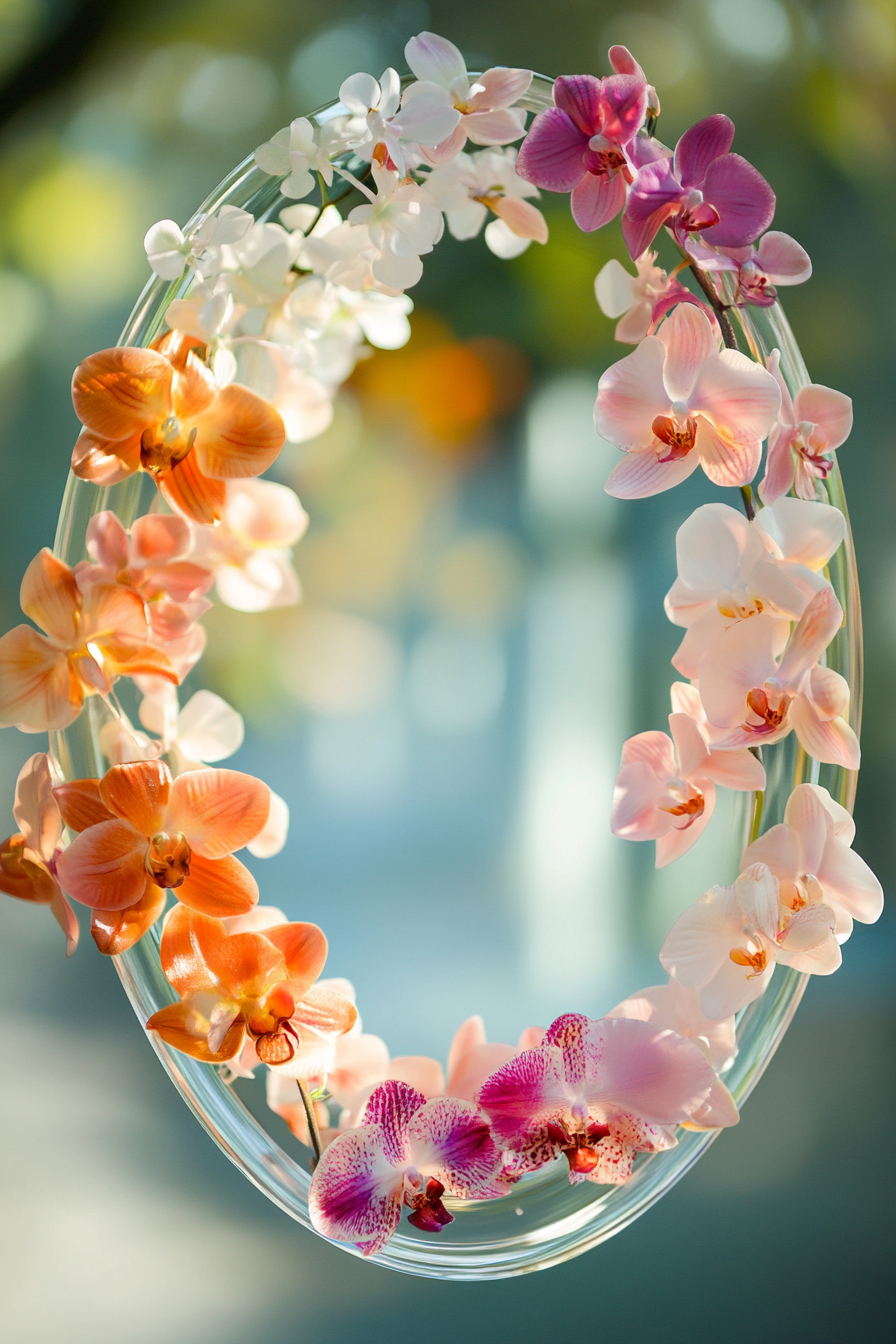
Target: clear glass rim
(761,1027)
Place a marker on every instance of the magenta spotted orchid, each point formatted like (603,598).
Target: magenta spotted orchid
(598,1092)
(407,1152)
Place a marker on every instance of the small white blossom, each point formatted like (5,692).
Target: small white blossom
(471,186)
(169,250)
(298,151)
(384,125)
(403,223)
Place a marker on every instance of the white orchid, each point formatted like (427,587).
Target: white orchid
(403,223)
(298,151)
(169,250)
(471,186)
(385,127)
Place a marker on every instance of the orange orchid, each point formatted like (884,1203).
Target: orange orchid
(236,984)
(91,639)
(138,829)
(162,412)
(28,859)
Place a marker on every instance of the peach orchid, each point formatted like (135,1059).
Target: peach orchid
(162,412)
(91,639)
(138,828)
(234,985)
(28,858)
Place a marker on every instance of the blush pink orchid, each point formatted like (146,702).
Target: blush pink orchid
(702,188)
(666,787)
(760,700)
(810,427)
(679,402)
(583,144)
(407,1152)
(677,1008)
(250,550)
(811,856)
(776,260)
(599,1092)
(487,116)
(727,944)
(731,570)
(151,559)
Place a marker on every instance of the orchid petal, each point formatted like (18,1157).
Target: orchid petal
(596,200)
(105,866)
(138,792)
(217,810)
(689,341)
(631,394)
(120,391)
(218,887)
(551,154)
(743,198)
(641,473)
(700,146)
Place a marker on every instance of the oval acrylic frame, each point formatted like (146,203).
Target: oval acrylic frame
(545,1220)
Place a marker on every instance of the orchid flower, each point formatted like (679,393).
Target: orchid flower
(744,688)
(231,985)
(137,826)
(810,855)
(777,259)
(676,1007)
(91,639)
(162,413)
(249,552)
(169,250)
(407,1152)
(471,185)
(639,300)
(485,105)
(702,189)
(389,125)
(727,944)
(402,222)
(206,730)
(666,788)
(583,144)
(679,402)
(151,559)
(731,570)
(28,858)
(810,426)
(599,1092)
(300,150)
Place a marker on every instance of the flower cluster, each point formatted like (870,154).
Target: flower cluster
(265,320)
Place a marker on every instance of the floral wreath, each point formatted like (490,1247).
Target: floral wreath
(263,321)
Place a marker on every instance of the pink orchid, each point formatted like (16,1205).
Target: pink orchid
(624,63)
(777,259)
(810,426)
(640,300)
(701,189)
(28,858)
(486,114)
(599,1092)
(810,855)
(679,402)
(407,1152)
(731,570)
(727,944)
(582,144)
(677,1008)
(151,559)
(666,788)
(249,551)
(745,689)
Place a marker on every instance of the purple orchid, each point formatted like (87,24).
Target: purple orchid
(703,189)
(600,1091)
(407,1151)
(777,259)
(582,144)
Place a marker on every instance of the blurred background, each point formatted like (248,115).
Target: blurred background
(482,627)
